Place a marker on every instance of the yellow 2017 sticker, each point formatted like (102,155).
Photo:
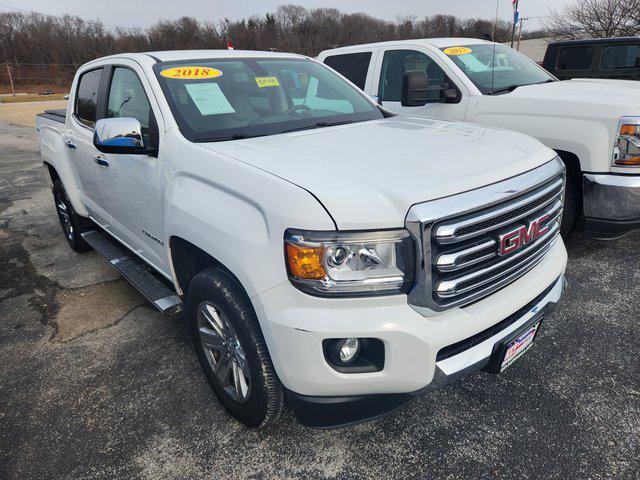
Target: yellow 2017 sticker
(457,51)
(190,72)
(267,82)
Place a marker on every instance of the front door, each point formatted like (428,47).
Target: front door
(130,183)
(395,63)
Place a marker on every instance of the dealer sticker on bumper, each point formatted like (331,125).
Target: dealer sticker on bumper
(518,346)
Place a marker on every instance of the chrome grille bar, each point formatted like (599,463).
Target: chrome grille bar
(448,232)
(460,237)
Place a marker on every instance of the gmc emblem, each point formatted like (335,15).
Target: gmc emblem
(523,235)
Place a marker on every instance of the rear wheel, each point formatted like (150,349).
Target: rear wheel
(70,221)
(231,349)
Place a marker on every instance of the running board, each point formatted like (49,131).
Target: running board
(148,282)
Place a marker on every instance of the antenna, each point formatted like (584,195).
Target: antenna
(493,59)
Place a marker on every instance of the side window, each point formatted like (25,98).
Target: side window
(86,104)
(127,98)
(575,58)
(396,62)
(354,66)
(621,56)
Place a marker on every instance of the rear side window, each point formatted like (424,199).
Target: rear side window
(87,97)
(575,58)
(621,56)
(353,66)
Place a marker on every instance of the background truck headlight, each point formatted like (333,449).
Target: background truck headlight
(626,149)
(350,263)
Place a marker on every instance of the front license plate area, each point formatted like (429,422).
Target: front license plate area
(510,349)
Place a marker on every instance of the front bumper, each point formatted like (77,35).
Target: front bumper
(331,412)
(611,205)
(295,324)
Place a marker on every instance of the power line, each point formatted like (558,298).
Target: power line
(58,16)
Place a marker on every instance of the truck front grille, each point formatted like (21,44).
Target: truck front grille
(473,246)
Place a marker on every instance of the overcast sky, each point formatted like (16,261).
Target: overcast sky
(142,13)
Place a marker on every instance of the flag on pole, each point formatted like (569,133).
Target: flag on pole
(516,14)
(229,45)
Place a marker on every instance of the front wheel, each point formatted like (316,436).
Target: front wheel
(70,221)
(231,349)
(571,206)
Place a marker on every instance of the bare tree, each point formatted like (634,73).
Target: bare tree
(596,19)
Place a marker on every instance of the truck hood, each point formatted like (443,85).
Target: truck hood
(622,93)
(368,174)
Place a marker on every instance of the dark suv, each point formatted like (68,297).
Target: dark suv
(597,58)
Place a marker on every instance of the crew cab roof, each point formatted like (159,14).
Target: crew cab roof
(434,42)
(178,55)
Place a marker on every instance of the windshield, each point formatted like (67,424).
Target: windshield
(504,72)
(228,99)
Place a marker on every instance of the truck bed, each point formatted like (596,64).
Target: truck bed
(57,115)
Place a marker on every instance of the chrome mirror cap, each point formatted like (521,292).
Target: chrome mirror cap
(119,135)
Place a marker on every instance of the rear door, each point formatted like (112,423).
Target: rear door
(131,183)
(620,61)
(393,64)
(78,138)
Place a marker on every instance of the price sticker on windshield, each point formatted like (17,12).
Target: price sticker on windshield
(267,82)
(453,51)
(190,72)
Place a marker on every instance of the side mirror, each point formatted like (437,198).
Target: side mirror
(119,135)
(414,88)
(450,95)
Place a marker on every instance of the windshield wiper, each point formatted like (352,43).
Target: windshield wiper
(511,88)
(233,136)
(317,125)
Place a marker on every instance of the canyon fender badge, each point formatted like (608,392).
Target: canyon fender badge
(155,239)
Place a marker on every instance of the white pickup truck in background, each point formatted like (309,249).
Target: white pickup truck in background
(594,125)
(321,248)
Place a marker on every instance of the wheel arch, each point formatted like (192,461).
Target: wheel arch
(187,260)
(574,170)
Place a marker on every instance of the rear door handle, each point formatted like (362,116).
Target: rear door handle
(103,162)
(70,144)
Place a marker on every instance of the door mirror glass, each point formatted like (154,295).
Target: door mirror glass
(414,88)
(119,135)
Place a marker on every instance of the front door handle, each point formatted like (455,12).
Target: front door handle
(103,162)
(70,144)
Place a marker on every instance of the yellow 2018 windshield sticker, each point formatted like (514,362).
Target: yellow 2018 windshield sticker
(190,72)
(267,82)
(457,51)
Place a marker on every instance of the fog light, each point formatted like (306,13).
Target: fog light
(349,350)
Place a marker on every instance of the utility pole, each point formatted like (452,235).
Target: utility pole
(521,21)
(515,20)
(11,80)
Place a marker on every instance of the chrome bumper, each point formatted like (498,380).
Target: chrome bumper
(611,205)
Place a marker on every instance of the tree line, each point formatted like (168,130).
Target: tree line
(29,38)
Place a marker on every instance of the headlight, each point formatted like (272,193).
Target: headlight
(350,263)
(626,150)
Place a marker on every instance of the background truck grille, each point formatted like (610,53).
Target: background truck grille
(461,257)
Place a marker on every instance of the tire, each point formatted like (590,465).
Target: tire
(238,367)
(72,224)
(571,206)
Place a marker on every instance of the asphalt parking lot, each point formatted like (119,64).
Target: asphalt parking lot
(95,384)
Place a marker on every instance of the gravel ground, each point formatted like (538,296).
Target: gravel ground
(96,384)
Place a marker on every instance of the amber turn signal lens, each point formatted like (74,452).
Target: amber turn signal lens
(306,262)
(628,162)
(629,130)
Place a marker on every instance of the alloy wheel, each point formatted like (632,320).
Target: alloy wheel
(224,352)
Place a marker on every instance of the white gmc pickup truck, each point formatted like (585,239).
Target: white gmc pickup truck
(593,125)
(323,249)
